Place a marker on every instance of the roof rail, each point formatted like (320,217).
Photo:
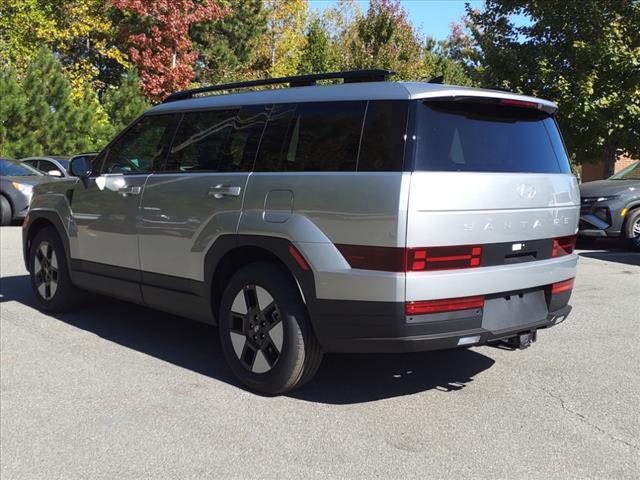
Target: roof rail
(353,76)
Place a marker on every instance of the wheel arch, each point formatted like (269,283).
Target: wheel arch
(231,252)
(631,207)
(38,220)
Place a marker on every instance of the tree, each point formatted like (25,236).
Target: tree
(283,41)
(583,55)
(320,53)
(160,44)
(228,48)
(45,116)
(384,38)
(125,102)
(12,112)
(80,32)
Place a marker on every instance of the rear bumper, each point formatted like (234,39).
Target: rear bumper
(343,326)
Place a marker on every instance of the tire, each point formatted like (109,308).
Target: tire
(265,331)
(5,211)
(632,229)
(49,273)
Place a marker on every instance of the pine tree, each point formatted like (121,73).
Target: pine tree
(320,53)
(227,47)
(125,103)
(12,109)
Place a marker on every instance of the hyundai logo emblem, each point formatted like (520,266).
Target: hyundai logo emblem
(527,191)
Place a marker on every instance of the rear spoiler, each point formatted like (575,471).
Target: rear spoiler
(506,100)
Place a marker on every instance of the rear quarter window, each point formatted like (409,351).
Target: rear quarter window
(312,137)
(480,137)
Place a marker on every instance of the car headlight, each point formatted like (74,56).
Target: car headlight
(23,188)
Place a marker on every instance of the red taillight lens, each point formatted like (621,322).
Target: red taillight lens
(387,259)
(446,305)
(563,246)
(443,258)
(518,103)
(563,286)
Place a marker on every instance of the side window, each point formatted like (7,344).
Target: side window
(312,137)
(242,143)
(200,140)
(47,166)
(142,148)
(383,136)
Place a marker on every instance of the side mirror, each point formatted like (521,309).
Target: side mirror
(54,173)
(80,167)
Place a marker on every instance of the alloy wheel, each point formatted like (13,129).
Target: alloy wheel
(256,329)
(46,270)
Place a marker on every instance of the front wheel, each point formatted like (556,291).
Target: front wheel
(265,331)
(50,279)
(632,229)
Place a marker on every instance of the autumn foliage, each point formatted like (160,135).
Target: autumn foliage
(164,53)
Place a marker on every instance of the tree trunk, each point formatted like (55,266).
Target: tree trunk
(609,159)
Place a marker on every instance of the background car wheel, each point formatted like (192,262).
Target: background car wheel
(632,229)
(5,211)
(50,278)
(265,331)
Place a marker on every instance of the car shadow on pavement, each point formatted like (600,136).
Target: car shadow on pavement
(608,250)
(341,379)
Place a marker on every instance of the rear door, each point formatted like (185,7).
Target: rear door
(486,172)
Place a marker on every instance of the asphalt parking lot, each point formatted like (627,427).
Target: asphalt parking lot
(118,391)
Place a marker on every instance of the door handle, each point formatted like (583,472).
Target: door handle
(130,190)
(221,191)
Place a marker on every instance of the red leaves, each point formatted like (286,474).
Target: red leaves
(163,54)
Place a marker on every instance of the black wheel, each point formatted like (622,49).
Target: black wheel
(5,211)
(50,278)
(265,330)
(632,229)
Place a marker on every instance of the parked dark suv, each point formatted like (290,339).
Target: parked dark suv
(611,207)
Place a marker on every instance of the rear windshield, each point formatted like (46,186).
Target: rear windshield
(481,137)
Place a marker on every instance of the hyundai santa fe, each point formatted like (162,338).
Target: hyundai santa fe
(364,216)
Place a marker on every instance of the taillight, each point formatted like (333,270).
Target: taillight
(563,286)
(396,259)
(446,305)
(443,258)
(563,246)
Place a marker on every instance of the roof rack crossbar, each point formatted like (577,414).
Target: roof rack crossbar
(373,75)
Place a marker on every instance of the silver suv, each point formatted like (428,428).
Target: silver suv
(369,216)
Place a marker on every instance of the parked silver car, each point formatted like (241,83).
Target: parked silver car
(16,188)
(369,216)
(56,166)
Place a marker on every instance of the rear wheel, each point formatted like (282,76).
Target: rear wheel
(265,331)
(5,211)
(50,278)
(632,229)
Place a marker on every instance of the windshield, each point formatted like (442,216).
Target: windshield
(485,137)
(632,172)
(11,168)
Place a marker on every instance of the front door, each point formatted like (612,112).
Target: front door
(197,197)
(105,207)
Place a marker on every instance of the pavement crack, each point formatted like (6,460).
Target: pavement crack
(584,419)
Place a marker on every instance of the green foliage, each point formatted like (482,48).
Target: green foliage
(228,47)
(12,112)
(124,103)
(583,55)
(46,116)
(320,53)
